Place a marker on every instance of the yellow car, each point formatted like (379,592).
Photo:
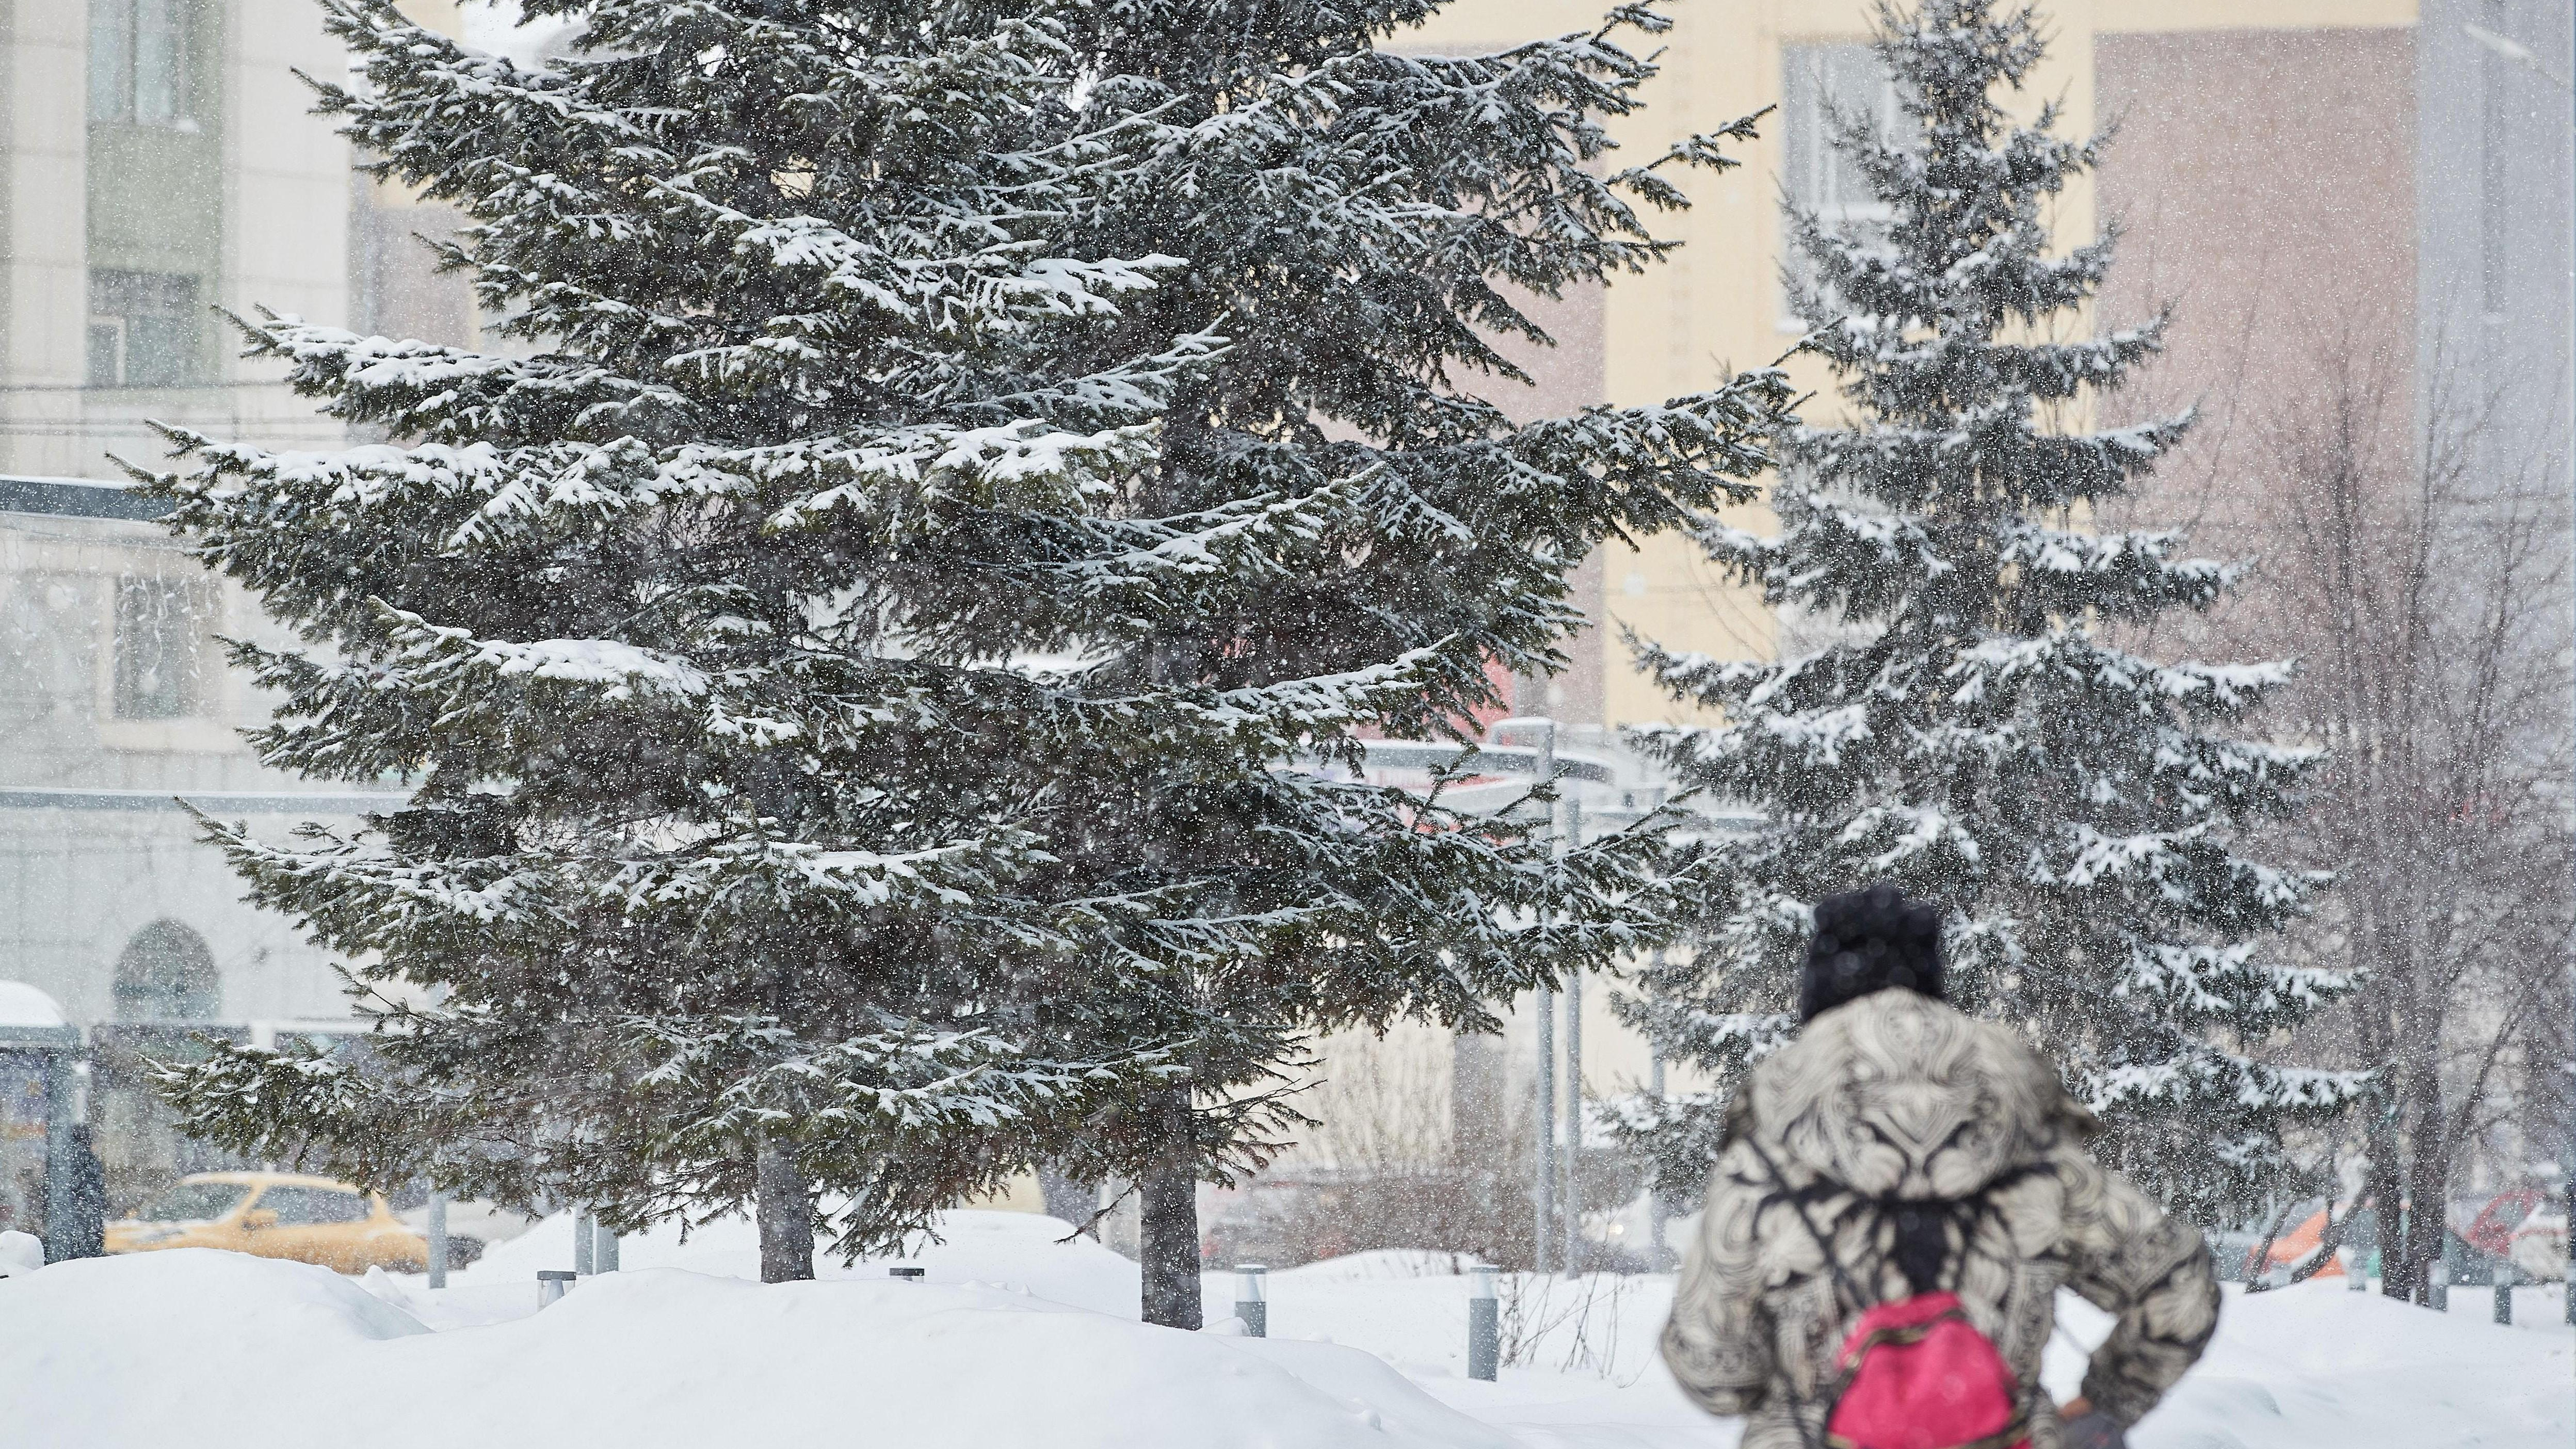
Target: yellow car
(275,1215)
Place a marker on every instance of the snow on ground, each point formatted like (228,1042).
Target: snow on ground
(2316,1367)
(1015,1337)
(1382,1263)
(1017,1250)
(214,1350)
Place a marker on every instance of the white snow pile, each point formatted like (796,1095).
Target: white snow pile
(2316,1367)
(1018,1251)
(215,1350)
(24,1005)
(20,1253)
(1384,1263)
(1016,1338)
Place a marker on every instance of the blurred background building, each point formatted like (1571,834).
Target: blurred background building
(157,162)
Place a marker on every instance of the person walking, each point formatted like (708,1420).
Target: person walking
(1897,1197)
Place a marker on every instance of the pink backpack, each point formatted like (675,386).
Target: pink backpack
(1914,1374)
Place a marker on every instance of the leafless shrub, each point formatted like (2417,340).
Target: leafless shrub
(1382,1167)
(2420,573)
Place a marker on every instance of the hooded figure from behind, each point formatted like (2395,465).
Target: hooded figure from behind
(1929,1152)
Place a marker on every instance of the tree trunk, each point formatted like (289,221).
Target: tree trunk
(2259,1262)
(2385,1189)
(785,1207)
(2330,1239)
(2384,1179)
(1168,1217)
(1169,1245)
(2428,1176)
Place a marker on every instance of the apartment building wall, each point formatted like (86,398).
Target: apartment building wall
(138,201)
(158,162)
(2265,184)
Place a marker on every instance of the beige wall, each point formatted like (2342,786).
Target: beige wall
(285,243)
(43,299)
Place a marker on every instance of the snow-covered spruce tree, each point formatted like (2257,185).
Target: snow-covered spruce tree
(862,674)
(1357,222)
(699,628)
(1978,735)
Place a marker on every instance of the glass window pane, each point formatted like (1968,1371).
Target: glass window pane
(1816,80)
(306,1205)
(106,353)
(160,351)
(167,973)
(157,668)
(111,59)
(157,61)
(194,1202)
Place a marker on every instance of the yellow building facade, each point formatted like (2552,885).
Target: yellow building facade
(1715,307)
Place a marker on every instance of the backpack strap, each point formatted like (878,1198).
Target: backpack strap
(1860,1302)
(1842,1280)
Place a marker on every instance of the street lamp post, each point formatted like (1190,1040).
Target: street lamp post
(1654,1197)
(1543,1190)
(1573,840)
(2523,55)
(437,1236)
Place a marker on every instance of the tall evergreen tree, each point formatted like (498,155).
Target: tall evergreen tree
(1978,734)
(702,626)
(1364,226)
(867,663)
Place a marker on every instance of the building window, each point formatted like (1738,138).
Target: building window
(138,63)
(166,974)
(145,330)
(1818,82)
(159,670)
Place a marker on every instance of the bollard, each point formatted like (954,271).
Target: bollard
(2356,1270)
(2437,1286)
(551,1284)
(905,1275)
(1252,1298)
(582,1234)
(437,1240)
(1484,1326)
(603,1249)
(2504,1276)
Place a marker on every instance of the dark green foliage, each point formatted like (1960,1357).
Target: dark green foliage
(879,658)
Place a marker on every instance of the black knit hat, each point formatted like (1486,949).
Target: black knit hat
(1868,940)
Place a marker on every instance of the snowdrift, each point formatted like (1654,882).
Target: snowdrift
(219,1351)
(1017,1338)
(2318,1367)
(1017,1250)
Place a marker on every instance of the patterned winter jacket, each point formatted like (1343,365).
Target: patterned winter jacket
(1897,1097)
